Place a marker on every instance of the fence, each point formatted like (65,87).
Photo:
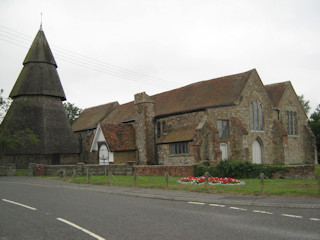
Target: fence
(135,180)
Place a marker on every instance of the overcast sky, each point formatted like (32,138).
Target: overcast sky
(108,50)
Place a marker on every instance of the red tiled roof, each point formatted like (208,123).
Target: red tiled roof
(90,117)
(211,93)
(120,137)
(178,135)
(121,113)
(276,91)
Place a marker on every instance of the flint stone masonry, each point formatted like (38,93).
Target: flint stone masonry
(296,172)
(8,170)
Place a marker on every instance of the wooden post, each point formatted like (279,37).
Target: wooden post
(134,179)
(105,171)
(88,175)
(262,182)
(206,184)
(110,178)
(319,184)
(74,172)
(166,176)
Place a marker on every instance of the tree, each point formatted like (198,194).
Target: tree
(304,103)
(314,124)
(4,105)
(13,140)
(73,112)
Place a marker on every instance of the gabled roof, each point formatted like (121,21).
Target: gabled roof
(216,92)
(223,91)
(119,137)
(121,113)
(90,117)
(275,92)
(39,76)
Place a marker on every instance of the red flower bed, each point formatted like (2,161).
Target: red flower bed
(198,180)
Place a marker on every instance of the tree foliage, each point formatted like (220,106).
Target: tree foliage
(4,105)
(73,112)
(314,124)
(13,139)
(304,103)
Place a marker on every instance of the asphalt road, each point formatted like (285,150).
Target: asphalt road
(46,209)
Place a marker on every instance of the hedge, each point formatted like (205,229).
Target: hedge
(236,169)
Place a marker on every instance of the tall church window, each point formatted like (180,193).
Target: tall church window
(223,128)
(256,116)
(295,125)
(292,123)
(251,116)
(260,117)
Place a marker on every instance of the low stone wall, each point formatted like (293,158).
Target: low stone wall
(296,172)
(159,170)
(291,172)
(8,170)
(79,169)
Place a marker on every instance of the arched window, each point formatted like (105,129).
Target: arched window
(251,116)
(256,116)
(260,117)
(292,123)
(295,125)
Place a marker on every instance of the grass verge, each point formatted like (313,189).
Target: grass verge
(279,187)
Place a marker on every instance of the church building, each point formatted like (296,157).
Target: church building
(233,117)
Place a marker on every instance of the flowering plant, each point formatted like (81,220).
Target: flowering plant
(212,180)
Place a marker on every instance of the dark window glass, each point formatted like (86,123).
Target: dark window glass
(179,148)
(223,128)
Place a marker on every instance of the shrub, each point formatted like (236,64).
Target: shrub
(237,169)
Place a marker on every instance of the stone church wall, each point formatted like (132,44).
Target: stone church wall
(296,153)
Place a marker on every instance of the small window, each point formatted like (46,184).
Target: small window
(164,126)
(179,148)
(223,128)
(158,129)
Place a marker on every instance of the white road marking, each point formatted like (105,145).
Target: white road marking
(197,203)
(236,208)
(216,205)
(264,212)
(293,216)
(80,228)
(314,219)
(19,204)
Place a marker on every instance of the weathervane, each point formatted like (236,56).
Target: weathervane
(41,22)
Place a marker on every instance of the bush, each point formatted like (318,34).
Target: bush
(236,169)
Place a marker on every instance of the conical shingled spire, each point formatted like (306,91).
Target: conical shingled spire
(39,76)
(37,106)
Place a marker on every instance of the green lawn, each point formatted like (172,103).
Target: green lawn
(279,187)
